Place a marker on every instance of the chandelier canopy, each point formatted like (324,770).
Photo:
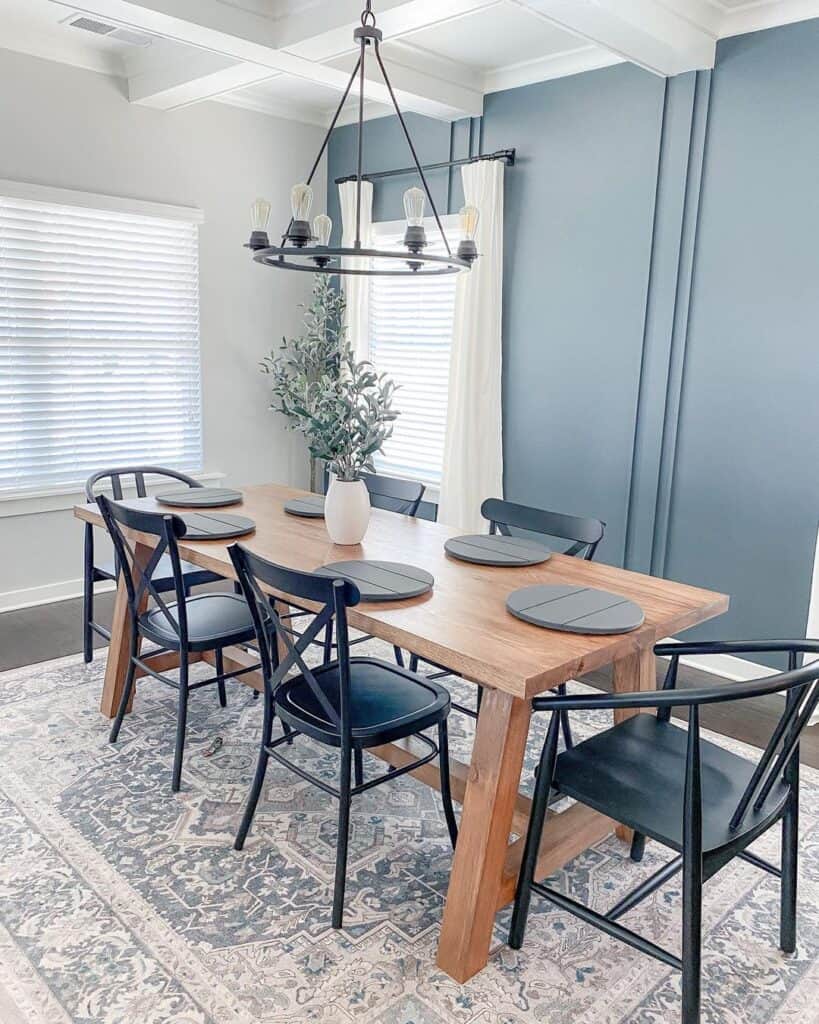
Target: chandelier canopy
(307,248)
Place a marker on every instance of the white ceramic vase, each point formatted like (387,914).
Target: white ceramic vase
(347,511)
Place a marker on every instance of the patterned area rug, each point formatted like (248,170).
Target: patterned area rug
(121,903)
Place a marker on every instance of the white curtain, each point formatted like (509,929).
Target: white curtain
(473,451)
(357,289)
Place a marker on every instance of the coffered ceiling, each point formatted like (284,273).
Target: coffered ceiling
(291,58)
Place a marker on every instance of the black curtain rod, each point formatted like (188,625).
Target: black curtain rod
(507,155)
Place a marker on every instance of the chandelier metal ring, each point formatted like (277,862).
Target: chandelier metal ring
(285,257)
(297,251)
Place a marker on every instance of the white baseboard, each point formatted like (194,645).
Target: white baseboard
(29,597)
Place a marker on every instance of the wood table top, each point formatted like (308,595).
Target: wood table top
(462,623)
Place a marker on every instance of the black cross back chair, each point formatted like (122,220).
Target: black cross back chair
(698,799)
(350,703)
(391,494)
(503,516)
(95,572)
(207,622)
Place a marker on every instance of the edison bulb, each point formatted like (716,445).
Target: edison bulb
(301,199)
(470,215)
(414,201)
(259,215)
(322,228)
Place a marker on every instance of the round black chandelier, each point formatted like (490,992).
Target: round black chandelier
(308,249)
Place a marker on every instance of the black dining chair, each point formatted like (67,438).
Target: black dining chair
(206,622)
(392,495)
(583,533)
(349,703)
(96,571)
(665,782)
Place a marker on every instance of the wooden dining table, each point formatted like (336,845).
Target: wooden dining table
(463,625)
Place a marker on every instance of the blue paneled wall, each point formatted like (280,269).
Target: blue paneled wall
(661,303)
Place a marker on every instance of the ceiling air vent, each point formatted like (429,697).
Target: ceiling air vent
(103,28)
(99,28)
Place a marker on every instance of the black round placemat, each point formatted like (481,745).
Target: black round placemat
(496,550)
(381,581)
(575,609)
(215,526)
(309,508)
(200,497)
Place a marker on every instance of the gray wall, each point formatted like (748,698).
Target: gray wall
(74,129)
(660,354)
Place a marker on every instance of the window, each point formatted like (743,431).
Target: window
(99,337)
(410,338)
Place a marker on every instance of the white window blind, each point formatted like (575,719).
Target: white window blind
(99,342)
(410,338)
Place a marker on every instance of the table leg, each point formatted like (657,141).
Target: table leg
(480,856)
(636,671)
(119,650)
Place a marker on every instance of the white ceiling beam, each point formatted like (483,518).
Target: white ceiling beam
(649,34)
(556,65)
(300,33)
(199,76)
(249,38)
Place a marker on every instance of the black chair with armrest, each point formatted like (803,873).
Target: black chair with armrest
(207,622)
(665,782)
(95,572)
(350,703)
(503,516)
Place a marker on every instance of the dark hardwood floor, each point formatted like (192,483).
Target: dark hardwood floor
(33,635)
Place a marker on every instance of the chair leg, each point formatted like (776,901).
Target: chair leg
(358,766)
(565,725)
(399,655)
(478,701)
(258,778)
(638,847)
(328,643)
(220,668)
(691,933)
(181,722)
(790,844)
(446,787)
(537,818)
(343,838)
(126,692)
(88,602)
(691,946)
(413,664)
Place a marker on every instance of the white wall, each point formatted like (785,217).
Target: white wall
(71,128)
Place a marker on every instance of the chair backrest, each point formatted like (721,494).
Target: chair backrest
(333,598)
(137,572)
(138,473)
(780,757)
(584,532)
(392,494)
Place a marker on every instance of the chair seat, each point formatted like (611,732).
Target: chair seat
(162,578)
(387,703)
(214,620)
(635,774)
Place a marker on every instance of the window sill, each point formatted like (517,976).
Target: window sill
(65,496)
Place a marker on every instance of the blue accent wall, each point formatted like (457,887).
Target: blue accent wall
(661,303)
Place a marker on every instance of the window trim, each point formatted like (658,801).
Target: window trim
(64,496)
(99,201)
